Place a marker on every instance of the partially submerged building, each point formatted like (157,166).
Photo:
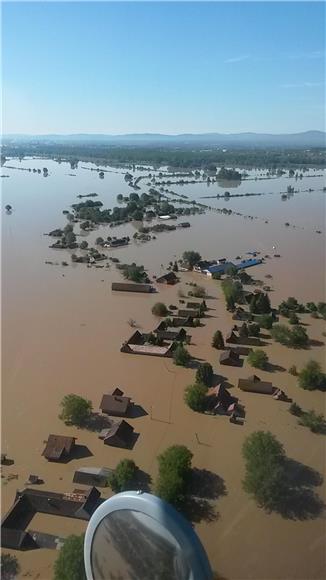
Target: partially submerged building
(59,447)
(79,504)
(253,384)
(230,357)
(173,335)
(116,405)
(232,338)
(132,287)
(168,278)
(120,434)
(186,313)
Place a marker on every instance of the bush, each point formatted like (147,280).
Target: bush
(75,409)
(258,358)
(296,337)
(232,290)
(199,292)
(294,409)
(69,564)
(218,340)
(9,567)
(181,356)
(316,423)
(83,245)
(253,329)
(322,309)
(265,321)
(293,318)
(311,307)
(311,376)
(204,374)
(195,396)
(293,370)
(174,468)
(216,276)
(264,463)
(159,309)
(122,475)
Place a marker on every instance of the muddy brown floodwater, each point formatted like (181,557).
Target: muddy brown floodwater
(62,329)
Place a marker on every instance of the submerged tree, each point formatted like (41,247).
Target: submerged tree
(75,409)
(69,564)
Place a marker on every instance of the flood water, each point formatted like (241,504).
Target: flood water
(62,329)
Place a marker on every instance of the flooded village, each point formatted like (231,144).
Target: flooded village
(183,309)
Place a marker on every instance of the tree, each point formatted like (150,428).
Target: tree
(204,374)
(175,267)
(258,358)
(260,303)
(253,329)
(174,468)
(294,409)
(70,238)
(75,409)
(10,567)
(233,290)
(69,564)
(218,340)
(322,309)
(83,245)
(99,241)
(195,396)
(264,463)
(159,309)
(293,370)
(299,337)
(231,271)
(311,376)
(8,208)
(122,475)
(181,356)
(191,258)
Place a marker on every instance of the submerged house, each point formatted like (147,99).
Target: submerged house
(79,504)
(59,447)
(137,345)
(188,313)
(232,337)
(116,405)
(253,384)
(173,335)
(169,278)
(120,434)
(131,287)
(181,321)
(230,357)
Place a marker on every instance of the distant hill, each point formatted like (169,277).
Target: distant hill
(305,139)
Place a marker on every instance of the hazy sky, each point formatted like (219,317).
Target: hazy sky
(163,67)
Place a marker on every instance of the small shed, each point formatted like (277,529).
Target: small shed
(229,357)
(116,405)
(168,278)
(58,447)
(119,435)
(93,476)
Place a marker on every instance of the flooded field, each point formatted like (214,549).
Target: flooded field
(62,329)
